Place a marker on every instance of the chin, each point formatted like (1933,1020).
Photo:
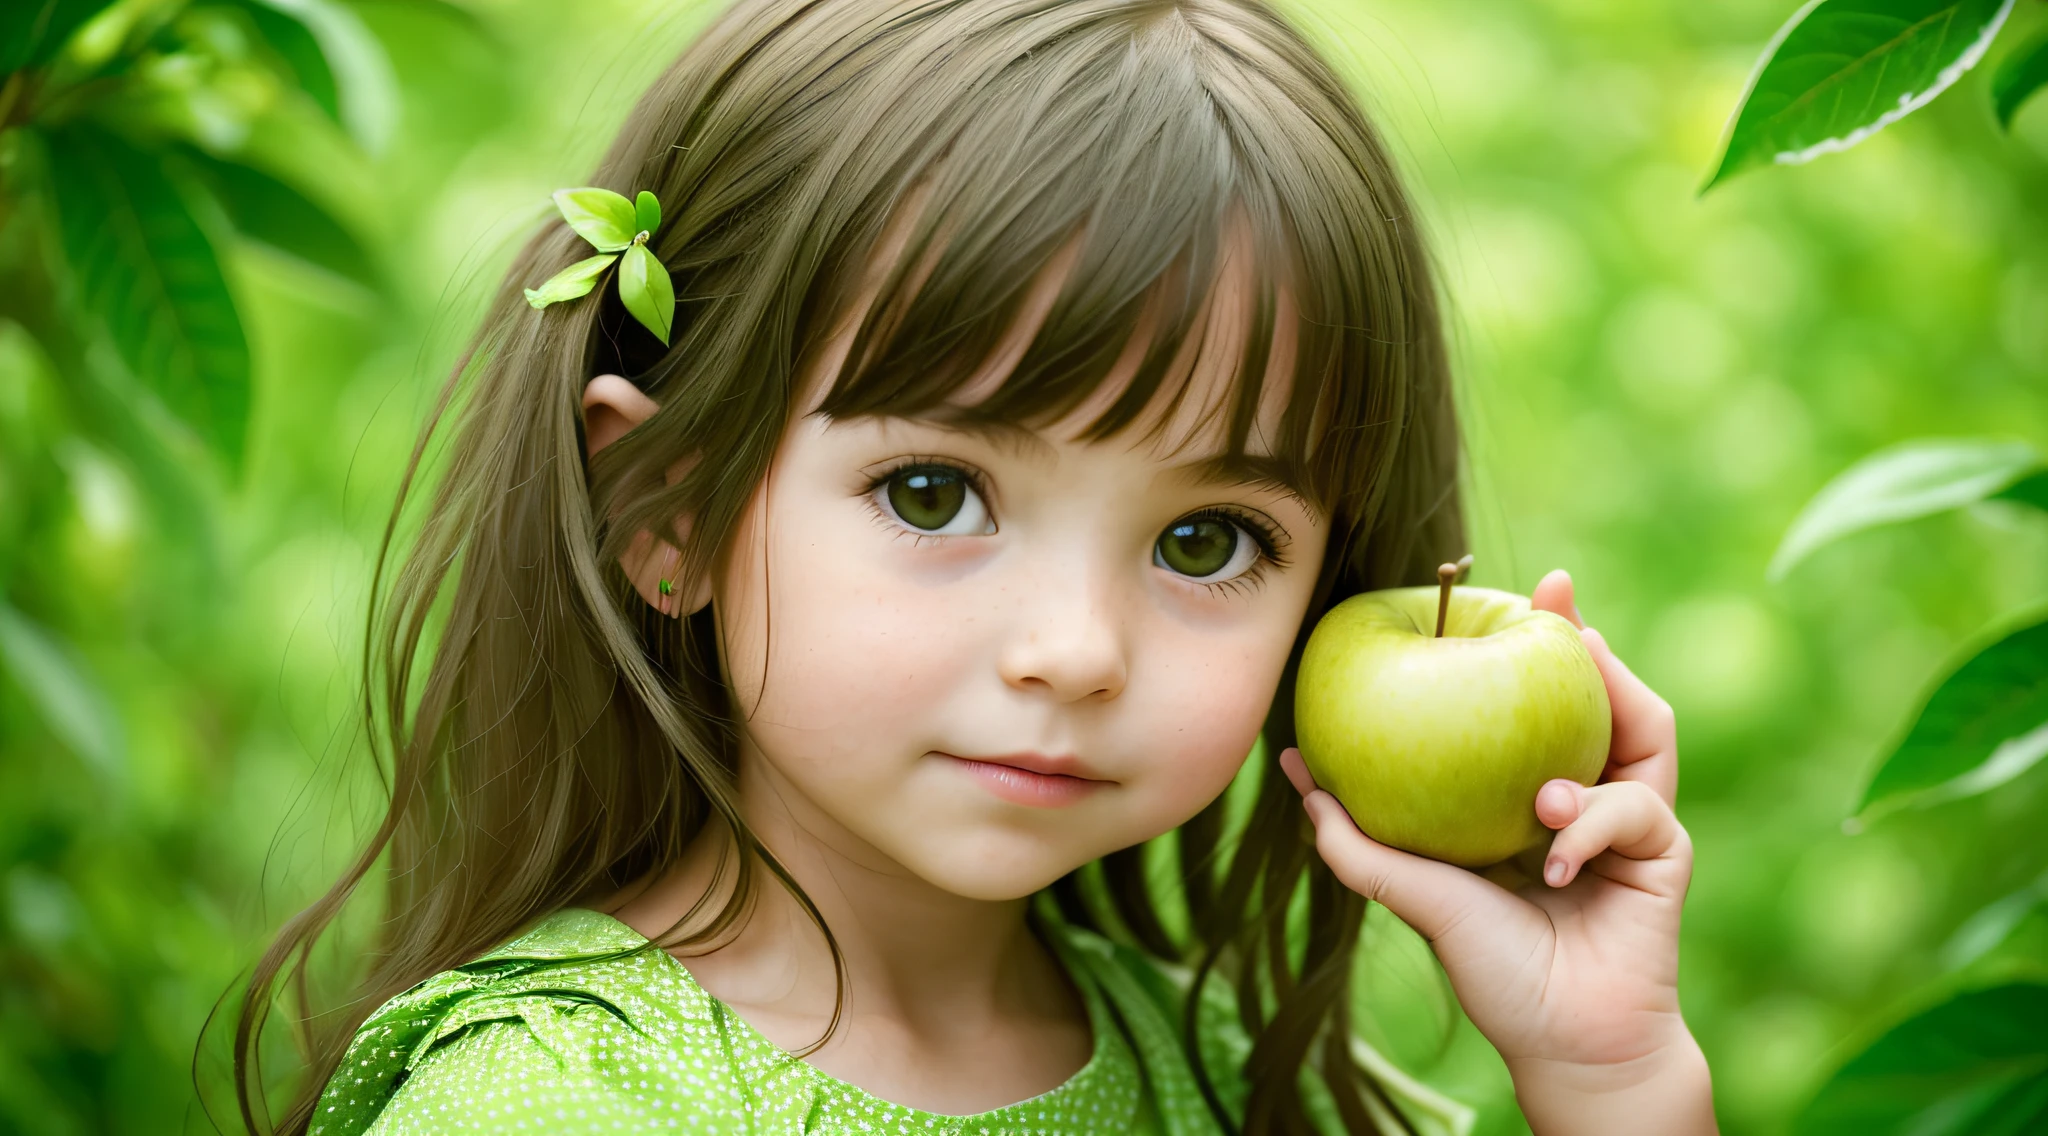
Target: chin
(992,868)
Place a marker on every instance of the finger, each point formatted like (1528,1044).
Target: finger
(1554,594)
(1626,818)
(1645,744)
(1559,802)
(1659,772)
(1432,897)
(1292,764)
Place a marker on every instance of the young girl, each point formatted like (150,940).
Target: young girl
(801,690)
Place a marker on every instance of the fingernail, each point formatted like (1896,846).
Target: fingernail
(1553,872)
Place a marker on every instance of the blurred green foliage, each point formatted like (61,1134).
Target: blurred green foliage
(1654,384)
(1975,1063)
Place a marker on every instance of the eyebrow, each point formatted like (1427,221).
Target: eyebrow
(997,433)
(1252,471)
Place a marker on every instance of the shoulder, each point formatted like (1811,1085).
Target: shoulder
(560,1026)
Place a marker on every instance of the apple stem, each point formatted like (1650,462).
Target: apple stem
(1446,575)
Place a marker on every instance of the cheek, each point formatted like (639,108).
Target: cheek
(824,645)
(1205,707)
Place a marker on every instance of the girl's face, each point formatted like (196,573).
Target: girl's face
(988,656)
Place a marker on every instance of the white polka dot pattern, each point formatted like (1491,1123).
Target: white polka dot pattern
(578,1027)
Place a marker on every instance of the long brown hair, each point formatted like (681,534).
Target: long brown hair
(564,740)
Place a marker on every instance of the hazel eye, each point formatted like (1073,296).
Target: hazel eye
(1208,549)
(934,499)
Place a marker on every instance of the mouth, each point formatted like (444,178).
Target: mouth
(1031,778)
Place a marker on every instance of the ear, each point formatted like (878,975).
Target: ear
(611,407)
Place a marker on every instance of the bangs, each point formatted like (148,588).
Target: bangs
(1105,239)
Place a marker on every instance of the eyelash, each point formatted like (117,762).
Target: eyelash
(1263,531)
(969,474)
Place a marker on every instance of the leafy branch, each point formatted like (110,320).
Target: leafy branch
(1839,71)
(128,172)
(1981,726)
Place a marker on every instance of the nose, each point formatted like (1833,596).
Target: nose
(1067,642)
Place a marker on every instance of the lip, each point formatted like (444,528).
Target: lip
(1032,778)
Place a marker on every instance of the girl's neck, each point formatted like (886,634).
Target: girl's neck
(925,961)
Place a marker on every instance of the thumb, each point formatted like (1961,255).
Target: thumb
(1554,594)
(1431,896)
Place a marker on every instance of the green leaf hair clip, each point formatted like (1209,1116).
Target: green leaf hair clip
(619,230)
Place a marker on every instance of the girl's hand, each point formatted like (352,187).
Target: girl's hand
(1572,972)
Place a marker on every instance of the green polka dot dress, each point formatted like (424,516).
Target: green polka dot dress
(575,1027)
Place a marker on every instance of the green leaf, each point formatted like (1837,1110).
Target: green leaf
(2021,74)
(2029,490)
(366,88)
(266,210)
(603,218)
(1841,70)
(64,692)
(300,53)
(1985,724)
(645,289)
(1427,1110)
(646,212)
(1982,932)
(458,14)
(1972,1064)
(2020,1110)
(1401,1003)
(1907,481)
(31,31)
(576,280)
(141,262)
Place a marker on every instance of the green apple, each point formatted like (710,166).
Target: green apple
(1439,744)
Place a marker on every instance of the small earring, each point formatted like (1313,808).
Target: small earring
(666,584)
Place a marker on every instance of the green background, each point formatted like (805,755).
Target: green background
(1653,384)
